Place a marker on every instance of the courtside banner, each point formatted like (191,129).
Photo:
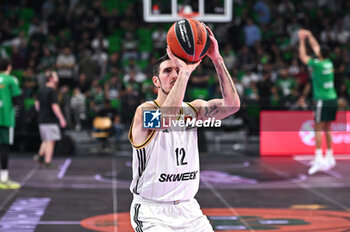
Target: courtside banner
(284,133)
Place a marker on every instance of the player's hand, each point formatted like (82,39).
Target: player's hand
(213,51)
(63,123)
(180,63)
(303,34)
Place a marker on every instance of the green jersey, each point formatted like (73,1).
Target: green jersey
(9,88)
(322,79)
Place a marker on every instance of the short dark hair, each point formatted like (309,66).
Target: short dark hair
(4,63)
(325,51)
(157,64)
(48,75)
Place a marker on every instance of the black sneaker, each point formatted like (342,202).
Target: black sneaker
(49,166)
(39,159)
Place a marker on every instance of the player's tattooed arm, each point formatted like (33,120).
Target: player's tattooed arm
(225,80)
(230,102)
(210,111)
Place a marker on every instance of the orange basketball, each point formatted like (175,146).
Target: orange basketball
(188,39)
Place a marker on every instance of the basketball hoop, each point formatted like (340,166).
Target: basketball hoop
(187,12)
(188,15)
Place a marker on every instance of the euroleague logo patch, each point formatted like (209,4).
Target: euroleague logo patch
(242,219)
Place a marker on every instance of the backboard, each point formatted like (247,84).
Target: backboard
(174,10)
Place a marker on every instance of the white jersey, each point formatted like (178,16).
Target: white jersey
(166,166)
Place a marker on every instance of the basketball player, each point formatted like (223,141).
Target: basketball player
(9,97)
(325,98)
(165,161)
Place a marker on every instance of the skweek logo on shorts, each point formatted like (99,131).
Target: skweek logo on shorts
(151,118)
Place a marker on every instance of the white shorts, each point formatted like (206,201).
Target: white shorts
(186,216)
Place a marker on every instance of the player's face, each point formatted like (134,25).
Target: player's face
(168,73)
(55,78)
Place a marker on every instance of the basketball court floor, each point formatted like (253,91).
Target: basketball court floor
(240,192)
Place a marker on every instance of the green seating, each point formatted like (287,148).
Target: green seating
(145,39)
(116,104)
(114,43)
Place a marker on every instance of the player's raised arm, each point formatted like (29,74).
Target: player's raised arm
(302,47)
(230,102)
(176,95)
(314,44)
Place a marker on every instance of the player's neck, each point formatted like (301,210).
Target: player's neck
(161,97)
(51,85)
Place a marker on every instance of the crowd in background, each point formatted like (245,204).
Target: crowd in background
(103,52)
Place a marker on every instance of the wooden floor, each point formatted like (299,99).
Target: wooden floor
(237,193)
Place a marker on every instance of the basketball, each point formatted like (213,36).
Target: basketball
(189,40)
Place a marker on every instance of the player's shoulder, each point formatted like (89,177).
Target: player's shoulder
(198,103)
(149,105)
(9,77)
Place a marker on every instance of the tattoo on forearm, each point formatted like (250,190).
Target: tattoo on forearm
(211,111)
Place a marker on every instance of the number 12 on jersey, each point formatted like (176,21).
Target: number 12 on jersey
(180,156)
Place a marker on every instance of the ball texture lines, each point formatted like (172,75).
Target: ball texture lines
(189,40)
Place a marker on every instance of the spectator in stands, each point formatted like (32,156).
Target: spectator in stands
(88,66)
(285,6)
(245,57)
(265,86)
(64,102)
(29,83)
(100,42)
(47,61)
(65,67)
(96,97)
(229,57)
(339,68)
(263,11)
(129,47)
(101,58)
(300,104)
(287,87)
(134,76)
(159,39)
(249,76)
(83,83)
(78,108)
(114,88)
(251,33)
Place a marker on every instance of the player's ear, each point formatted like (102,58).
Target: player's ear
(155,80)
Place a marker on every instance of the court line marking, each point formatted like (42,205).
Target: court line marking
(114,192)
(59,223)
(227,205)
(23,182)
(307,187)
(64,168)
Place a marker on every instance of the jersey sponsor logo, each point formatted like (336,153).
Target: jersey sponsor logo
(242,219)
(328,85)
(178,177)
(151,118)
